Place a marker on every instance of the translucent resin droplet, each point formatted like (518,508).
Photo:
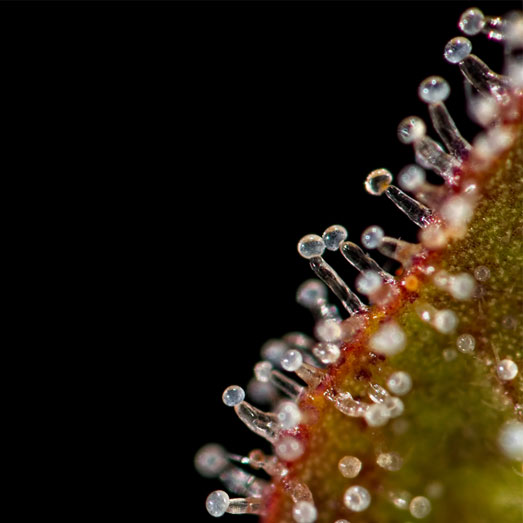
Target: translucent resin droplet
(289,415)
(462,286)
(434,89)
(390,461)
(389,339)
(328,330)
(292,360)
(420,507)
(411,129)
(333,236)
(482,110)
(411,177)
(399,383)
(372,236)
(210,460)
(304,512)
(445,321)
(377,181)
(311,292)
(482,273)
(262,371)
(457,211)
(349,466)
(466,343)
(217,503)
(368,282)
(457,49)
(327,353)
(357,498)
(233,395)
(472,21)
(377,415)
(506,370)
(311,246)
(288,448)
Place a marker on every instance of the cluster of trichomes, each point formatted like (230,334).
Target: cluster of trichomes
(413,405)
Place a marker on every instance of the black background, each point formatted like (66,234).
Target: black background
(287,107)
(178,152)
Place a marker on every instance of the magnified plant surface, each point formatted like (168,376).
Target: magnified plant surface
(406,403)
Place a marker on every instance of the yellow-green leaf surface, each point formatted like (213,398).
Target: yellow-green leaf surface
(448,436)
